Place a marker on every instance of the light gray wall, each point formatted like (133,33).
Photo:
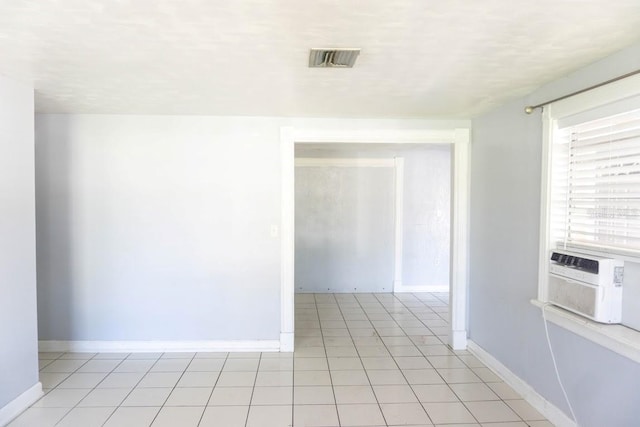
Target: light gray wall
(427,205)
(505,214)
(18,334)
(158,227)
(344,229)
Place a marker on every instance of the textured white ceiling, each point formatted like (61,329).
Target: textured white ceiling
(420,58)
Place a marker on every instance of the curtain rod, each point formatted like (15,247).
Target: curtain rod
(529,108)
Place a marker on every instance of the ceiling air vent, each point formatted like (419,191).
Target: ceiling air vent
(336,58)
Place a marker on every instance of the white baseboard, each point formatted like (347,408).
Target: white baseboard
(18,405)
(157,346)
(400,287)
(546,408)
(286,342)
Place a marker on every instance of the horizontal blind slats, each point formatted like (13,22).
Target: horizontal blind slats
(595,188)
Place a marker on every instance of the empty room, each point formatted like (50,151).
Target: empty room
(269,213)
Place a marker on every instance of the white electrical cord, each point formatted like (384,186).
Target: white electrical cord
(555,365)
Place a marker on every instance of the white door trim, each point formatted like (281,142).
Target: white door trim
(459,138)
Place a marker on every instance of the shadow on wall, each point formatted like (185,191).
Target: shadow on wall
(54,233)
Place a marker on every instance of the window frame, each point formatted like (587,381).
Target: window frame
(551,114)
(617,338)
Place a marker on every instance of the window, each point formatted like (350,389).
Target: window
(591,199)
(595,184)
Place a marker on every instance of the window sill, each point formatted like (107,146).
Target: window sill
(617,338)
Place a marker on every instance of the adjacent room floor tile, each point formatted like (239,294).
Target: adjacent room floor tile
(345,363)
(189,396)
(404,414)
(170,365)
(486,375)
(105,397)
(61,366)
(144,356)
(464,375)
(225,396)
(178,355)
(236,379)
(311,378)
(360,415)
(61,398)
(356,377)
(132,417)
(274,378)
(135,366)
(315,415)
(206,365)
(51,380)
(40,417)
(491,412)
(448,413)
(86,417)
(354,394)
(178,416)
(270,416)
(49,355)
(272,396)
(227,416)
(275,364)
(82,380)
(524,410)
(473,392)
(394,394)
(99,365)
(121,380)
(503,391)
(160,379)
(147,397)
(406,363)
(311,364)
(386,377)
(197,379)
(77,356)
(241,365)
(111,356)
(313,395)
(379,363)
(434,393)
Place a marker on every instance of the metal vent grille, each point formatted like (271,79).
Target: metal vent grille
(333,58)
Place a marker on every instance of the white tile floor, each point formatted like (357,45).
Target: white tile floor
(360,360)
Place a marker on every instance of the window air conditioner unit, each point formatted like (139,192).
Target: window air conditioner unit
(587,285)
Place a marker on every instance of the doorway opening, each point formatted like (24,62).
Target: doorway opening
(337,169)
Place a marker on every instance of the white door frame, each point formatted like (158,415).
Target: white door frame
(458,278)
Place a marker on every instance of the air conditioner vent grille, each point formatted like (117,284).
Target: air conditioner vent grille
(333,58)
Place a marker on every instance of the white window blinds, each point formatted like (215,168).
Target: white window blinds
(595,195)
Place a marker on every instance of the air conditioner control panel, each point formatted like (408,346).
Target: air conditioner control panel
(581,263)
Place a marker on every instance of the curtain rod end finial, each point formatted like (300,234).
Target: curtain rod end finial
(528,109)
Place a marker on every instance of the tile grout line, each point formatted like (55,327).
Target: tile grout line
(464,403)
(402,372)
(135,386)
(173,388)
(214,387)
(255,378)
(324,345)
(360,357)
(69,376)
